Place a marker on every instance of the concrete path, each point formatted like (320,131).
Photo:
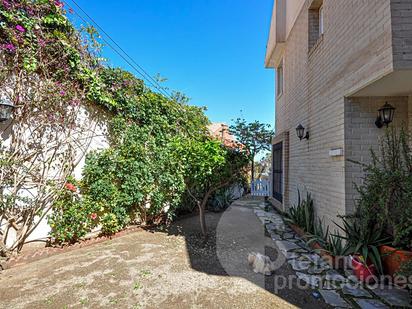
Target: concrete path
(171,268)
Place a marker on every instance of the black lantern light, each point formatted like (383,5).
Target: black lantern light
(300,131)
(385,116)
(6,110)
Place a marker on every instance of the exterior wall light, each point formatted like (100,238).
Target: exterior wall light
(300,131)
(6,110)
(385,116)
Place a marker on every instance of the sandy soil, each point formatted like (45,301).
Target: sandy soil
(172,268)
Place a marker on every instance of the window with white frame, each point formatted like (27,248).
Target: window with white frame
(316,22)
(280,79)
(321,21)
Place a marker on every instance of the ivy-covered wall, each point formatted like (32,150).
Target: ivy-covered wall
(157,151)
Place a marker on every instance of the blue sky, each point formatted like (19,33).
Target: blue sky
(212,50)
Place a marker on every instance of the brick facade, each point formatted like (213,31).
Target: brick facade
(401,11)
(362,136)
(355,50)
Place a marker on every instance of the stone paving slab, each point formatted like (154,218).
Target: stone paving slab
(334,276)
(339,290)
(288,236)
(290,255)
(394,296)
(355,291)
(334,299)
(299,265)
(313,281)
(314,258)
(315,270)
(286,246)
(370,304)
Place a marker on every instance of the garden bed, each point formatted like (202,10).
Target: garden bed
(30,256)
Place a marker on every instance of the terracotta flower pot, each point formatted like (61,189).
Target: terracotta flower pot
(392,259)
(316,246)
(336,262)
(297,230)
(366,273)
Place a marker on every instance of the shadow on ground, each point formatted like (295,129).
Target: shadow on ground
(170,268)
(232,235)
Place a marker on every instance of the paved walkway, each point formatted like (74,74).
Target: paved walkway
(341,290)
(175,268)
(171,268)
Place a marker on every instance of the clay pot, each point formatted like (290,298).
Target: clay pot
(336,262)
(300,232)
(316,246)
(366,273)
(392,259)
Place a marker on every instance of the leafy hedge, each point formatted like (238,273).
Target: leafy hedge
(160,150)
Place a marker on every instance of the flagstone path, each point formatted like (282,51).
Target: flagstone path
(338,290)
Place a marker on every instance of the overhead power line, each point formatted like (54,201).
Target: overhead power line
(126,57)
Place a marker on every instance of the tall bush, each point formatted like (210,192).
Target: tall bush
(385,201)
(160,151)
(41,60)
(140,178)
(72,217)
(210,166)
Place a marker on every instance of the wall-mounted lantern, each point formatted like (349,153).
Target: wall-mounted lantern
(300,131)
(385,116)
(6,110)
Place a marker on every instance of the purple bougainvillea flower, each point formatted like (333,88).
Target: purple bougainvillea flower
(62,92)
(42,42)
(6,4)
(20,28)
(9,47)
(58,3)
(75,102)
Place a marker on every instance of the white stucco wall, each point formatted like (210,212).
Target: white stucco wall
(92,135)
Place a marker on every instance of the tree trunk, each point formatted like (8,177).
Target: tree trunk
(202,206)
(202,220)
(253,168)
(202,211)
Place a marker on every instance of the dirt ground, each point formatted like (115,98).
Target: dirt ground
(170,268)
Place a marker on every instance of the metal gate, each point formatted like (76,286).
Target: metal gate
(260,188)
(277,164)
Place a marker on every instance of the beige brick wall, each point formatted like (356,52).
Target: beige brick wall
(362,136)
(313,27)
(355,50)
(401,11)
(410,114)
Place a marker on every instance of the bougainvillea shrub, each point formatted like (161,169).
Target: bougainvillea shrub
(42,61)
(73,216)
(50,72)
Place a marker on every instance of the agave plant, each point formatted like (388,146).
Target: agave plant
(319,231)
(221,200)
(303,214)
(363,240)
(333,244)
